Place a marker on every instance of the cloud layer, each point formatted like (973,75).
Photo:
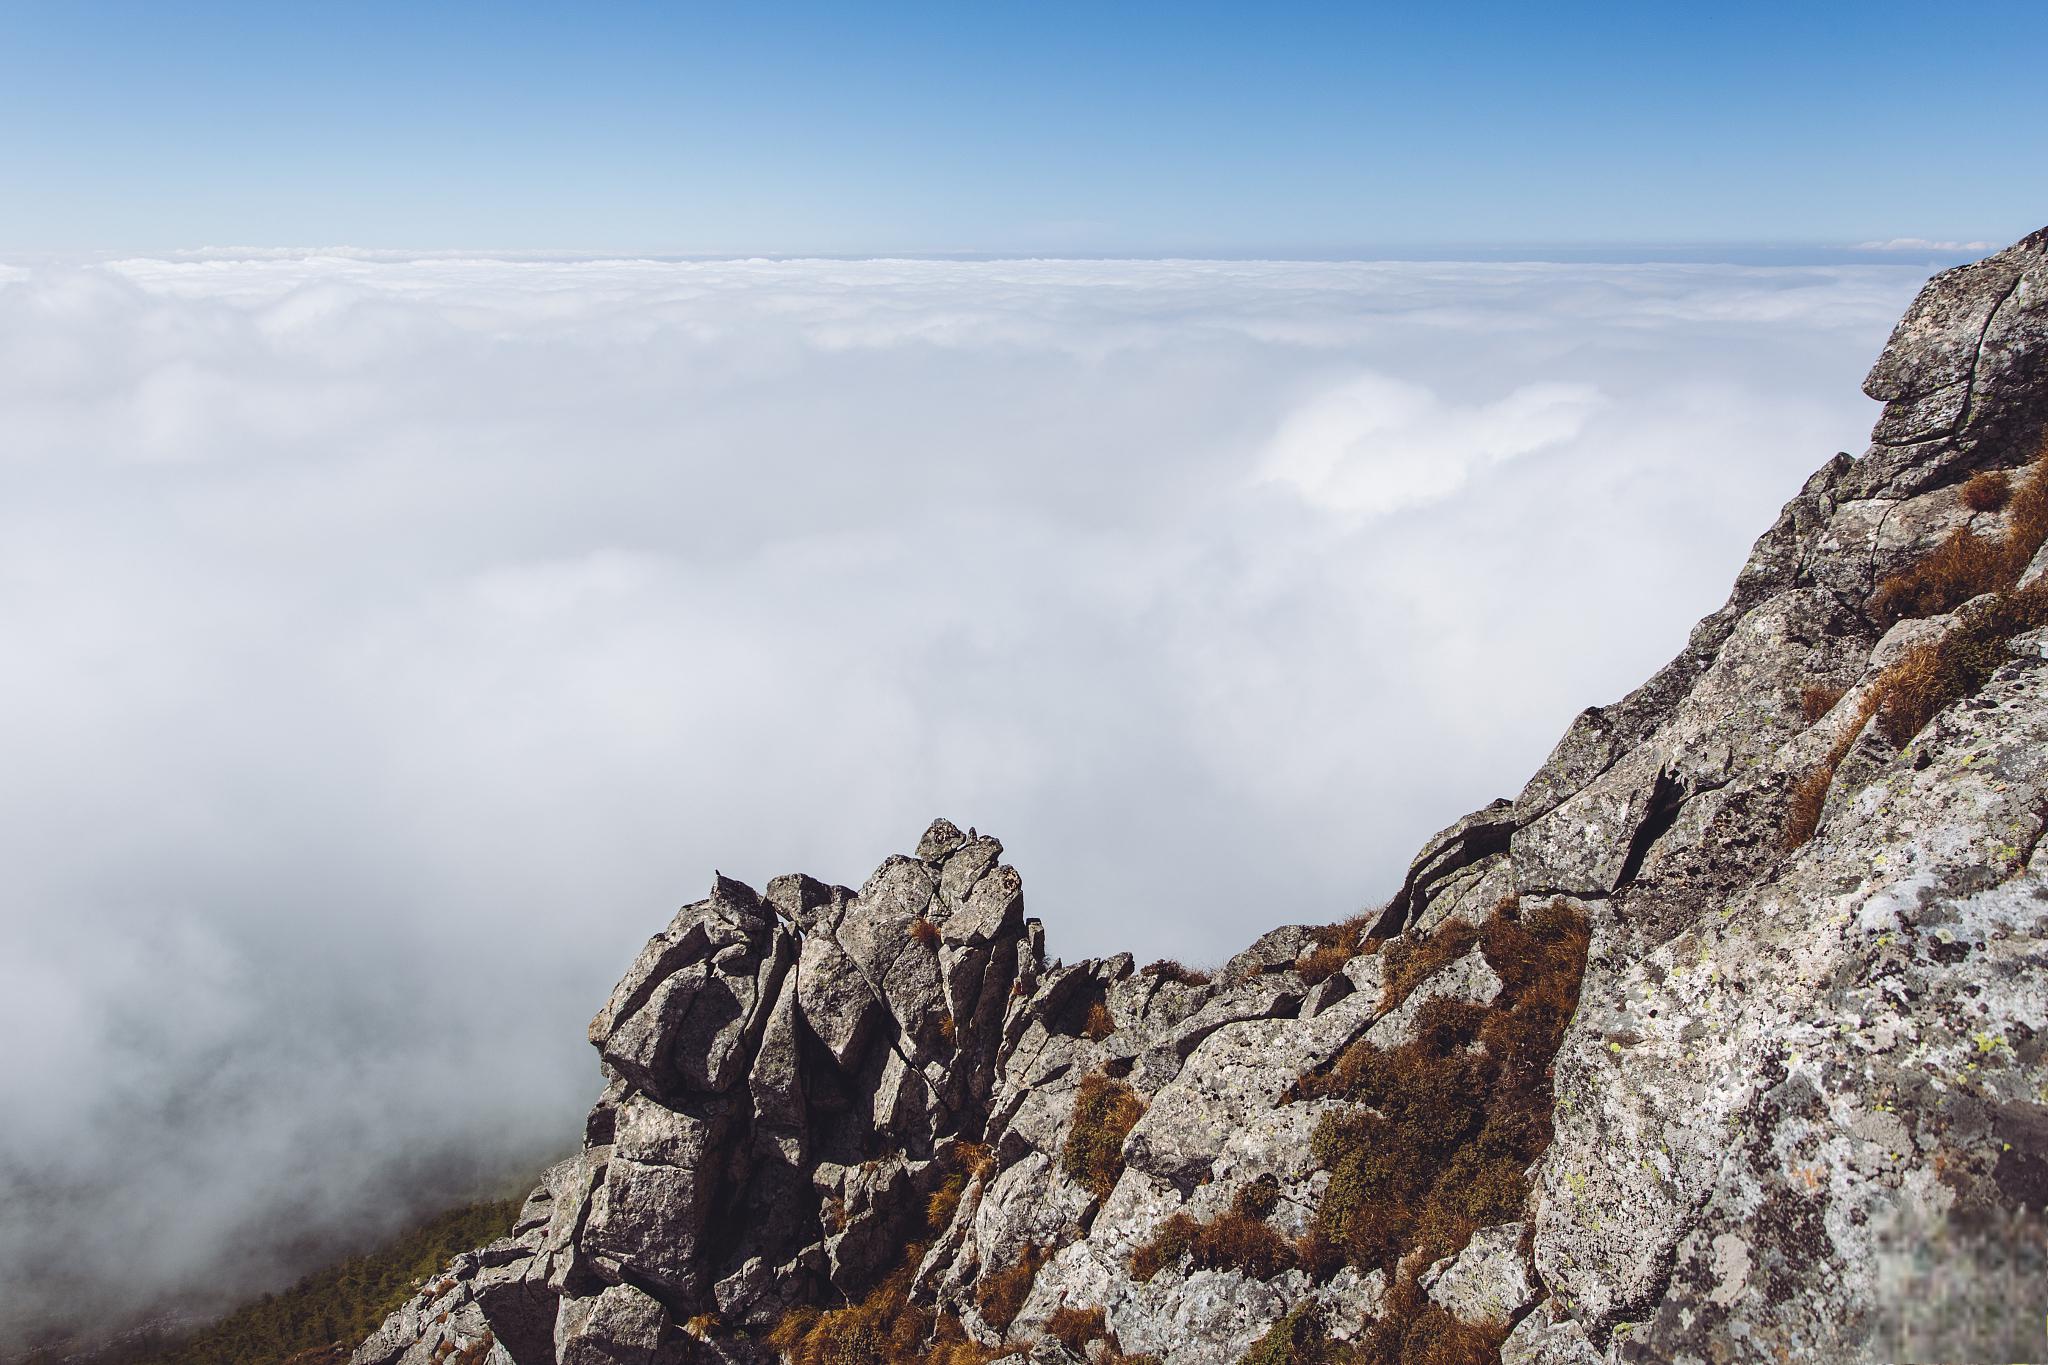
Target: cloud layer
(393,644)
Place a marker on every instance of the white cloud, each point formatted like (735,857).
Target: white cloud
(1924,244)
(1376,445)
(391,644)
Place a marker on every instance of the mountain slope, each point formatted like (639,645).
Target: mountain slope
(1722,1041)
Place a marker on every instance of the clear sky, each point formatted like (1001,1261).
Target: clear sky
(1144,129)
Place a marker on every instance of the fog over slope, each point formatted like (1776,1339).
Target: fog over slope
(391,646)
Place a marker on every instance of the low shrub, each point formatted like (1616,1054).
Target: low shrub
(1074,1328)
(1336,944)
(1967,565)
(1988,491)
(924,932)
(1238,1239)
(1809,796)
(2026,514)
(1817,699)
(1441,1131)
(1930,677)
(885,1327)
(1412,961)
(1168,969)
(1105,1111)
(1098,1023)
(1297,1339)
(1413,1330)
(1001,1293)
(1962,567)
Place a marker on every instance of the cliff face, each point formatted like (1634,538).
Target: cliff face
(1723,1041)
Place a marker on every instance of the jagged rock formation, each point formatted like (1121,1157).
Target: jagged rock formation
(1798,1114)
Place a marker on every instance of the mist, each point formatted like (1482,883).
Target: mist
(393,644)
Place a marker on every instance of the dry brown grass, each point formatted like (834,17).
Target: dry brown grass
(1930,677)
(1411,1330)
(1988,491)
(1239,1238)
(1809,796)
(1441,1131)
(1000,1293)
(1412,961)
(2026,515)
(1074,1327)
(1964,566)
(1967,565)
(924,932)
(885,1327)
(1817,699)
(1105,1111)
(1336,944)
(1098,1023)
(1168,969)
(1810,793)
(1079,1328)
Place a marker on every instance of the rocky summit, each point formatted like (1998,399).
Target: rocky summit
(1723,1041)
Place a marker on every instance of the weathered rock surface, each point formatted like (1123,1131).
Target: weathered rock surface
(1801,1112)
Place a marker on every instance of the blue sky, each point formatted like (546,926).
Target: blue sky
(1057,129)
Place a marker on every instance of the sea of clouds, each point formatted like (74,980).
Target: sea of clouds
(391,645)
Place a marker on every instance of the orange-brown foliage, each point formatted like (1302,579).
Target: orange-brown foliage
(1002,1292)
(1167,969)
(1988,491)
(1239,1238)
(1931,676)
(1809,796)
(1817,699)
(1074,1327)
(1443,1130)
(1336,944)
(1967,565)
(1962,567)
(924,932)
(1411,961)
(1105,1111)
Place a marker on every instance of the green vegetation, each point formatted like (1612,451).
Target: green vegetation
(1239,1238)
(337,1306)
(1297,1339)
(1438,1134)
(1105,1111)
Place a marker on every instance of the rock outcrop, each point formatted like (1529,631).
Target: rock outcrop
(1793,886)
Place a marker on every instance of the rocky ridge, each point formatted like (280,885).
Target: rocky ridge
(1799,1113)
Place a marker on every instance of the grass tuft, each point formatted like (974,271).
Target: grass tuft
(1238,1239)
(1817,699)
(1105,1111)
(1001,1293)
(1988,491)
(1167,969)
(1441,1129)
